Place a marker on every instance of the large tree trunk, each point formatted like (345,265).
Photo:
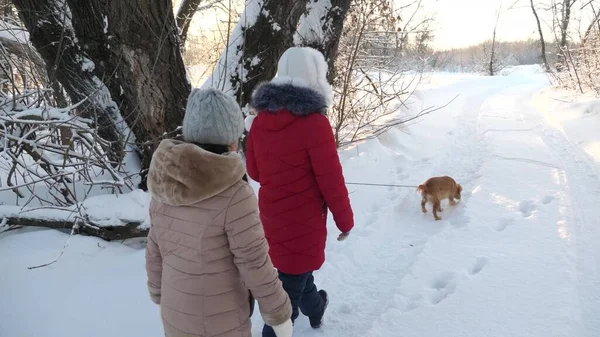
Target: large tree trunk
(52,34)
(542,41)
(325,36)
(147,55)
(137,48)
(264,32)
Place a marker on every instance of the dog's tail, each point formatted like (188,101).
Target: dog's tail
(422,189)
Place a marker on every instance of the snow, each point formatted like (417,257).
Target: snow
(14,33)
(102,210)
(114,209)
(105,24)
(231,57)
(518,256)
(310,26)
(37,213)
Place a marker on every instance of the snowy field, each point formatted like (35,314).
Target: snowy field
(519,256)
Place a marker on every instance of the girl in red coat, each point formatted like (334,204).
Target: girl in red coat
(292,153)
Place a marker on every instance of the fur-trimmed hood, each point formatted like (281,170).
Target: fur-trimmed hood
(291,94)
(184,174)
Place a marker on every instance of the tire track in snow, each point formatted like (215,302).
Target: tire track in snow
(580,179)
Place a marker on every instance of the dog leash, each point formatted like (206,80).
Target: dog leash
(382,185)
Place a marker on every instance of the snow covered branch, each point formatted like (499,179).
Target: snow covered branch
(82,226)
(54,38)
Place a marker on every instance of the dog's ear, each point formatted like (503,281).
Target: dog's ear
(421,188)
(459,188)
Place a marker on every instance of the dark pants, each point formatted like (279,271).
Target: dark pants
(303,295)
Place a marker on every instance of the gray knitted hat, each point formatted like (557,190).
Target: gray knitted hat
(211,117)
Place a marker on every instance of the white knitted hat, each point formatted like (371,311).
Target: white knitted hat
(305,66)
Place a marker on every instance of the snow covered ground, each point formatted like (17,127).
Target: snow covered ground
(519,256)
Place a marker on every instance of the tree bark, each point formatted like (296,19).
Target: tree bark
(332,28)
(184,17)
(254,50)
(147,57)
(108,233)
(542,41)
(52,34)
(137,48)
(90,22)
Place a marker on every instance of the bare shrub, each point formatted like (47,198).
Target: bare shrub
(373,86)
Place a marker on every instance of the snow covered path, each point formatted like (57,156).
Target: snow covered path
(518,256)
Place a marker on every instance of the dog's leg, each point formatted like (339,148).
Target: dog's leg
(423,203)
(452,202)
(436,207)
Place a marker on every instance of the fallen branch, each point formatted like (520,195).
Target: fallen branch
(83,227)
(61,252)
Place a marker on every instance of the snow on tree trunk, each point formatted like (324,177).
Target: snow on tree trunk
(52,34)
(321,27)
(264,32)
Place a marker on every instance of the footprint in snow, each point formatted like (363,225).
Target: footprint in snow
(503,224)
(371,218)
(478,266)
(527,208)
(547,199)
(443,286)
(411,303)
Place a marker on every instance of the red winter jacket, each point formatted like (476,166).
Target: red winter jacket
(291,152)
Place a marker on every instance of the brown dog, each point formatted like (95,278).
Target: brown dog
(436,189)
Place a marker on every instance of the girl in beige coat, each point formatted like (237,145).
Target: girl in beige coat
(207,256)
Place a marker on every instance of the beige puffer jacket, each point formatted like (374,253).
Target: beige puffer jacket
(206,246)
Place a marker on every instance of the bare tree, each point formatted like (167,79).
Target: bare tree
(372,91)
(563,15)
(493,61)
(542,41)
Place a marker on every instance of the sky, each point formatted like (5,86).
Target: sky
(461,23)
(458,23)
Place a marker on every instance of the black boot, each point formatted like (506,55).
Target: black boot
(317,322)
